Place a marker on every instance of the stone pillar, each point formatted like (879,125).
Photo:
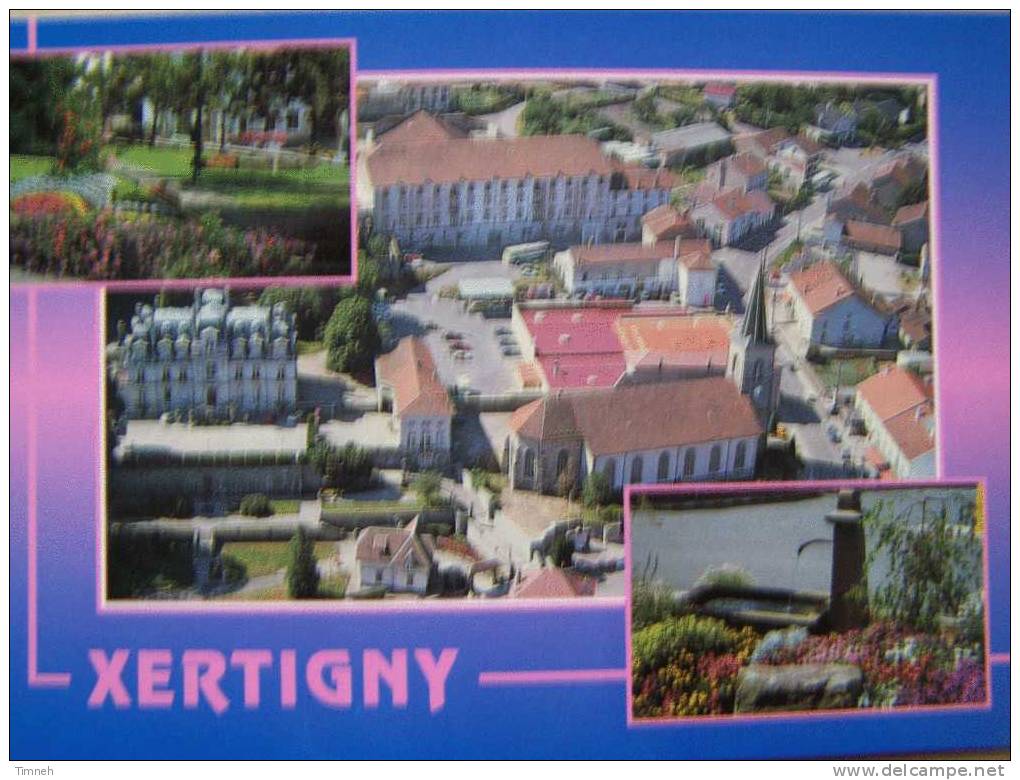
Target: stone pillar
(849,588)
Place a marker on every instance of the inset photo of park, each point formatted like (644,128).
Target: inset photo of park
(771,601)
(208,162)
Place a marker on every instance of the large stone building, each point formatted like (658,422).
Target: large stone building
(429,186)
(210,358)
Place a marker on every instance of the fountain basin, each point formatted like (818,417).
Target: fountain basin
(761,608)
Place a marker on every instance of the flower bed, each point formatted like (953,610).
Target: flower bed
(38,204)
(901,667)
(122,246)
(688,666)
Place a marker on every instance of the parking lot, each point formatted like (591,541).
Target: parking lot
(466,347)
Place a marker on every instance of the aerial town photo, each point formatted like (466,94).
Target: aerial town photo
(564,287)
(199,162)
(806,599)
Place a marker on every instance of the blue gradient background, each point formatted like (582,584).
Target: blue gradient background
(970,56)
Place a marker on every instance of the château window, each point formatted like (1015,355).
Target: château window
(663,474)
(610,471)
(529,463)
(740,456)
(636,469)
(689,460)
(561,462)
(714,459)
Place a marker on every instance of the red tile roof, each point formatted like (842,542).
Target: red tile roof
(913,430)
(411,372)
(892,391)
(665,222)
(551,583)
(763,142)
(695,339)
(630,418)
(911,213)
(696,254)
(418,128)
(734,203)
(484,159)
(822,285)
(870,234)
(747,163)
(394,546)
(621,253)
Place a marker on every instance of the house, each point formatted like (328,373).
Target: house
(690,430)
(892,180)
(719,94)
(915,327)
(407,380)
(868,237)
(912,223)
(665,223)
(796,159)
(698,140)
(550,582)
(854,204)
(833,124)
(429,186)
(743,171)
(397,559)
(212,358)
(762,143)
(733,215)
(624,270)
(898,412)
(832,311)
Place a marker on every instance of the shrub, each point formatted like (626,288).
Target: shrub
(727,575)
(562,552)
(256,505)
(428,487)
(351,336)
(302,572)
(342,468)
(661,643)
(597,491)
(651,602)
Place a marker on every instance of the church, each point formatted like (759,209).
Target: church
(645,430)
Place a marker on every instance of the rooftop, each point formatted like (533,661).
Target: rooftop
(690,137)
(394,546)
(665,222)
(550,583)
(411,372)
(628,418)
(894,390)
(822,285)
(734,203)
(876,235)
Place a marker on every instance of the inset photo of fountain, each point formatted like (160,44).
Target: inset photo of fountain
(762,600)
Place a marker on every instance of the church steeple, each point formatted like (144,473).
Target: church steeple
(755,326)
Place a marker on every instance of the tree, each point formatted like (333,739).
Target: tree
(597,490)
(302,571)
(428,487)
(311,305)
(351,336)
(256,505)
(562,552)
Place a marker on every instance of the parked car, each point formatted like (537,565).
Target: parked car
(833,433)
(503,330)
(511,351)
(452,335)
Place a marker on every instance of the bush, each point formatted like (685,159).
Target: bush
(562,552)
(302,572)
(347,468)
(256,505)
(651,602)
(351,336)
(428,487)
(597,491)
(727,575)
(662,643)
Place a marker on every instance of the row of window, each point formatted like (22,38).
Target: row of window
(637,465)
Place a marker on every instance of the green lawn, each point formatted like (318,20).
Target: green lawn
(309,347)
(346,506)
(25,165)
(324,185)
(329,588)
(165,161)
(285,506)
(260,558)
(847,372)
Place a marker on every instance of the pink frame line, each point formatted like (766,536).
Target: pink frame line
(930,80)
(242,282)
(104,605)
(828,486)
(36,679)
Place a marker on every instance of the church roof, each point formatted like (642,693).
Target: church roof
(754,325)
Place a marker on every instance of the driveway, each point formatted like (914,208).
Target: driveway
(487,370)
(505,121)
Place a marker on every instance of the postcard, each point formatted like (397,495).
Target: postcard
(634,402)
